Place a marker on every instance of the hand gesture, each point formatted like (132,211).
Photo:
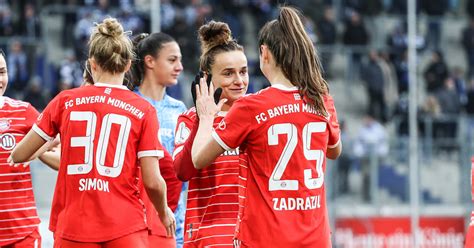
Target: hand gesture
(169,222)
(197,80)
(206,105)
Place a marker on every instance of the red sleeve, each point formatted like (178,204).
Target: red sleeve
(149,145)
(47,124)
(173,185)
(333,124)
(186,130)
(235,127)
(31,115)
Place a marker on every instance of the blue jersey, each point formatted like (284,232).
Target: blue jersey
(168,111)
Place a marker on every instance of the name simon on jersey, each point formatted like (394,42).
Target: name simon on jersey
(86,184)
(105,99)
(287,204)
(284,110)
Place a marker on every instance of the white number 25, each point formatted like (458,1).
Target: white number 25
(275,182)
(87,142)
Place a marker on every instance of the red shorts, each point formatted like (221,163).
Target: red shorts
(137,239)
(31,241)
(161,241)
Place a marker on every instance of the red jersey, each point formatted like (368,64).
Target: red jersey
(18,217)
(469,242)
(173,189)
(104,129)
(212,202)
(286,140)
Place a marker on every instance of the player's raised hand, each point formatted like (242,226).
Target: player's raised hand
(197,80)
(206,105)
(169,222)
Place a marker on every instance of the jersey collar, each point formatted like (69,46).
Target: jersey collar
(283,87)
(2,101)
(123,87)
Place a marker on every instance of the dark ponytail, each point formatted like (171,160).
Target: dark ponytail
(296,55)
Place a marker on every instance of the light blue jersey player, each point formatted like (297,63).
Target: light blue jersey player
(168,111)
(157,67)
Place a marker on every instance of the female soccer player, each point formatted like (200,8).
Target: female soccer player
(158,66)
(287,130)
(107,132)
(19,225)
(213,202)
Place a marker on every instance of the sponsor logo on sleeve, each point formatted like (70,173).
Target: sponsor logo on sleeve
(182,134)
(222,125)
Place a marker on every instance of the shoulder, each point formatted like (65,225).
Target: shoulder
(175,102)
(189,114)
(15,103)
(256,100)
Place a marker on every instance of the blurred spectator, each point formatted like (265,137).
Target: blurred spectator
(400,115)
(436,72)
(435,9)
(371,145)
(131,21)
(390,82)
(70,19)
(102,10)
(262,10)
(372,75)
(429,114)
(470,99)
(70,71)
(351,7)
(327,33)
(31,25)
(314,9)
(168,14)
(401,68)
(6,20)
(397,40)
(82,32)
(345,161)
(229,12)
(450,105)
(355,35)
(460,84)
(470,8)
(468,43)
(17,68)
(448,98)
(34,94)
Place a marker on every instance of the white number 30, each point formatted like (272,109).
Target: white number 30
(275,182)
(87,142)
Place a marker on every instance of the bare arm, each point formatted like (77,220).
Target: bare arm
(51,158)
(156,189)
(27,148)
(333,153)
(205,149)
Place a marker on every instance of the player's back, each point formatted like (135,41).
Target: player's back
(104,130)
(285,196)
